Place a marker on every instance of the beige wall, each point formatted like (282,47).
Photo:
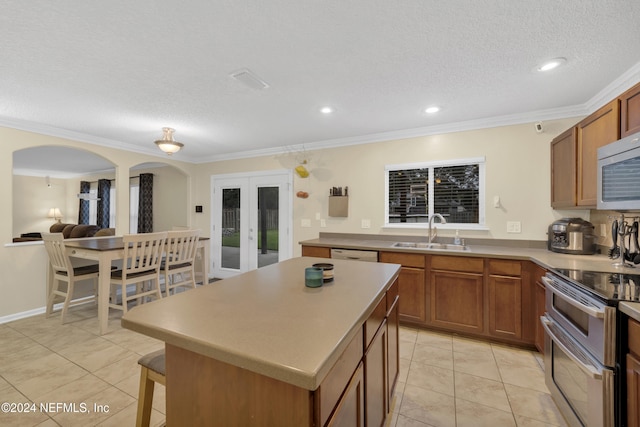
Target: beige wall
(517,170)
(22,283)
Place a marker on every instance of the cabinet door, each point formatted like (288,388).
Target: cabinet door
(456,301)
(563,169)
(350,409)
(393,352)
(316,251)
(630,111)
(539,312)
(505,307)
(633,391)
(600,128)
(375,379)
(412,291)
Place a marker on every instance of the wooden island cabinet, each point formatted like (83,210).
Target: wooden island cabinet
(633,373)
(262,349)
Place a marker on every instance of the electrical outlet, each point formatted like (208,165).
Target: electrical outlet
(305,222)
(318,216)
(366,223)
(323,223)
(514,227)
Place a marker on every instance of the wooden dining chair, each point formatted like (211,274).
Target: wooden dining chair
(140,267)
(178,266)
(64,272)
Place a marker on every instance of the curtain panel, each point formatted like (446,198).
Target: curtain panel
(104,195)
(145,204)
(83,211)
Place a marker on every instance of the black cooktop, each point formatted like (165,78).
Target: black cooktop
(619,286)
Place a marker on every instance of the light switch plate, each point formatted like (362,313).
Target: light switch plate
(305,222)
(366,223)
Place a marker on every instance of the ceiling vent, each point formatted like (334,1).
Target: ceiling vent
(245,76)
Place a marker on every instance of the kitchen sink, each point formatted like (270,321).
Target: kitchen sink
(432,246)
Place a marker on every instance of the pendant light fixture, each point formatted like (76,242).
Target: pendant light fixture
(167,144)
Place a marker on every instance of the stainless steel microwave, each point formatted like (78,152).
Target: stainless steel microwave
(619,175)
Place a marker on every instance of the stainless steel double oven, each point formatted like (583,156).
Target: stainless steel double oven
(582,354)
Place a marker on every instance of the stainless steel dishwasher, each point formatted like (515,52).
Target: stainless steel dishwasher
(353,254)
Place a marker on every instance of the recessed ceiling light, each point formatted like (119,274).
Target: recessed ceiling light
(551,64)
(326,110)
(432,110)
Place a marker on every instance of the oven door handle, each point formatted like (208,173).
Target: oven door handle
(599,314)
(590,370)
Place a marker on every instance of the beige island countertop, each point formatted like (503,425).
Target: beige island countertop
(267,321)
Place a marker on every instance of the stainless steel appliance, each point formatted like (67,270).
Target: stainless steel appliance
(571,236)
(619,174)
(584,365)
(354,254)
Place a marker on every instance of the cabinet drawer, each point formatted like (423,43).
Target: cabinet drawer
(406,260)
(329,392)
(374,321)
(457,263)
(316,251)
(634,337)
(503,267)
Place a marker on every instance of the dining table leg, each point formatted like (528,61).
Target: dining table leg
(104,290)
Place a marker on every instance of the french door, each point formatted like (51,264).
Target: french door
(251,219)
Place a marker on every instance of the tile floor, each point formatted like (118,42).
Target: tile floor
(87,379)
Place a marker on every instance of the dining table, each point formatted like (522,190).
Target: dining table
(108,249)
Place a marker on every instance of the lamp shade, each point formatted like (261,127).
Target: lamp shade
(167,144)
(55,214)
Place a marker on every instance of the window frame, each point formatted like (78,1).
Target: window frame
(480,225)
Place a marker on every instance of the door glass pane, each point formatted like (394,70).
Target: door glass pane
(268,236)
(230,228)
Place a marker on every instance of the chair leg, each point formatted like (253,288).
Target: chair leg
(124,298)
(145,398)
(52,297)
(67,300)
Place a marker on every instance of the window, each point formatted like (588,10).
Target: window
(454,189)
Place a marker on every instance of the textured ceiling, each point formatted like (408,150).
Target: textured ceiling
(116,72)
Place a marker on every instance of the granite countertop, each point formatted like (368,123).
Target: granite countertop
(267,321)
(506,250)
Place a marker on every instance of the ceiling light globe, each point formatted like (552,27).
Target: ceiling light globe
(432,110)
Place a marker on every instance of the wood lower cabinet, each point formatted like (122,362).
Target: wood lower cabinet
(350,409)
(393,350)
(633,373)
(505,299)
(456,301)
(411,285)
(539,309)
(456,293)
(375,374)
(630,111)
(316,251)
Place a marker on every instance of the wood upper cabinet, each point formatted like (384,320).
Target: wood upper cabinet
(597,130)
(563,169)
(630,111)
(456,293)
(411,285)
(316,251)
(505,299)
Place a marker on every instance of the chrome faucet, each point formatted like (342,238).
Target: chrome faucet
(432,228)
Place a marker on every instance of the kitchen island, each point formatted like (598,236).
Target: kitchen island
(262,349)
